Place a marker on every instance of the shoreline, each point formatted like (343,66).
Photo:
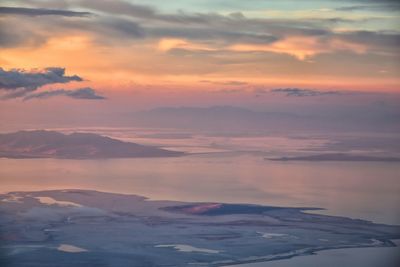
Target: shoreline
(318,253)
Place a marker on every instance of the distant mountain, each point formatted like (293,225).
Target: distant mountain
(50,144)
(337,157)
(228,119)
(216,119)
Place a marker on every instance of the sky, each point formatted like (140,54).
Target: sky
(77,56)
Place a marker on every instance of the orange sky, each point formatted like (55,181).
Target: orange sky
(152,63)
(144,45)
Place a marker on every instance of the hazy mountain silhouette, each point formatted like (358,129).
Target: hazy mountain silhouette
(237,119)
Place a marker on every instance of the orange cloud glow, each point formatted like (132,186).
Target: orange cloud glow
(300,47)
(171,43)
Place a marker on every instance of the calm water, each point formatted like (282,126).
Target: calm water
(369,190)
(365,257)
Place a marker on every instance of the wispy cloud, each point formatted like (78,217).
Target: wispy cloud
(300,92)
(383,5)
(80,93)
(229,83)
(41,12)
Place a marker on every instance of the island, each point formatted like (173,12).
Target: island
(89,228)
(51,144)
(338,157)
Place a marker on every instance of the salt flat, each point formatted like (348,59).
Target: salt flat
(107,229)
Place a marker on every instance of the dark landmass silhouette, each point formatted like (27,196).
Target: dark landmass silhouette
(337,157)
(51,144)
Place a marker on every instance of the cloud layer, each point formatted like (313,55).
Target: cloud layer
(116,21)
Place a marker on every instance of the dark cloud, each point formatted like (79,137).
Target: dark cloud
(41,12)
(17,82)
(17,78)
(139,11)
(84,93)
(121,27)
(118,7)
(81,93)
(377,41)
(394,7)
(303,92)
(371,5)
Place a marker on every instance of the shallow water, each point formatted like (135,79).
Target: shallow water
(70,248)
(349,257)
(187,248)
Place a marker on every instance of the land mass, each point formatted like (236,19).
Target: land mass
(51,144)
(337,157)
(91,228)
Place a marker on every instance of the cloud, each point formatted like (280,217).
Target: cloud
(31,80)
(81,93)
(16,30)
(120,28)
(139,11)
(9,37)
(229,83)
(115,22)
(299,92)
(41,12)
(18,82)
(231,28)
(383,5)
(376,41)
(84,93)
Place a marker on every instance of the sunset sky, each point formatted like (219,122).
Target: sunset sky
(152,53)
